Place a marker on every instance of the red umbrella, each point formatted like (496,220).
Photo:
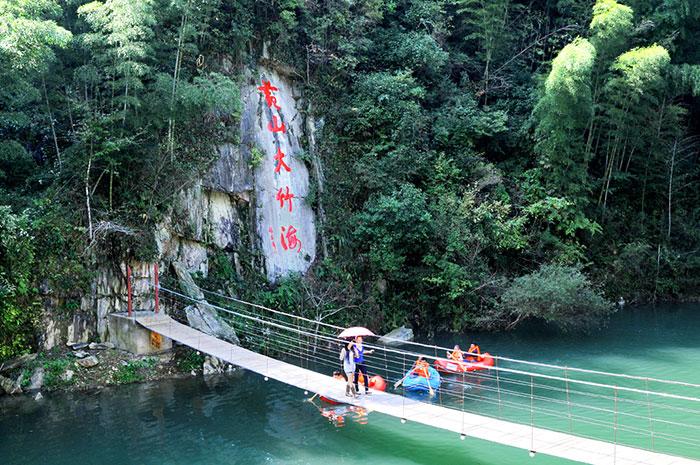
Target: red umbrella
(356,331)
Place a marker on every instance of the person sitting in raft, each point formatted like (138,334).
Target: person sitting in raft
(457,355)
(347,356)
(420,368)
(474,353)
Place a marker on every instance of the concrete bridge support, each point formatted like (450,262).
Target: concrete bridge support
(126,334)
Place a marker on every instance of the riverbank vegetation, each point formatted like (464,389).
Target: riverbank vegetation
(86,369)
(472,150)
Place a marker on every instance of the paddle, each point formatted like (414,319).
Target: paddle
(430,388)
(398,383)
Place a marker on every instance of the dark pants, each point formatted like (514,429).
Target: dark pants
(361,367)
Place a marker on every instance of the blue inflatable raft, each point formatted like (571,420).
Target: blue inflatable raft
(418,383)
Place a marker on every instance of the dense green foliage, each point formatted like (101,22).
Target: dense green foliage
(93,100)
(557,294)
(465,144)
(468,143)
(17,254)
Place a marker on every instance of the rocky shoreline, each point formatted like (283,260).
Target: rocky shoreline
(83,367)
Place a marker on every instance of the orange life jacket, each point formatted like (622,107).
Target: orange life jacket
(457,355)
(474,349)
(421,368)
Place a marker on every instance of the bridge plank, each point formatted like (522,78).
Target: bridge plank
(520,436)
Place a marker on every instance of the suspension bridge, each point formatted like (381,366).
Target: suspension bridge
(586,416)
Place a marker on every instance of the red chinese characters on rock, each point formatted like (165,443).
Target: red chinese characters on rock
(288,235)
(291,235)
(272,239)
(288,238)
(279,158)
(285,197)
(274,127)
(267,89)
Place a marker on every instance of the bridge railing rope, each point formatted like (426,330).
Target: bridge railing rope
(432,349)
(665,418)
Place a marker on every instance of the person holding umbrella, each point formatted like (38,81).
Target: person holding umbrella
(360,366)
(357,333)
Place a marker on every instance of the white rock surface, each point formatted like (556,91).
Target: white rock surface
(101,346)
(36,382)
(269,215)
(397,336)
(202,316)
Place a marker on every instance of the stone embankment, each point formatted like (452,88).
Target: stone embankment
(92,366)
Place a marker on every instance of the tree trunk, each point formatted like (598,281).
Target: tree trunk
(658,266)
(87,194)
(176,76)
(53,128)
(111,183)
(670,186)
(644,193)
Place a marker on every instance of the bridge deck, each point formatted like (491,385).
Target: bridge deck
(489,429)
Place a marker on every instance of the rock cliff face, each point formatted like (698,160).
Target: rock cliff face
(239,196)
(234,207)
(276,217)
(108,295)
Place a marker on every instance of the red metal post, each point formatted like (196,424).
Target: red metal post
(155,275)
(128,289)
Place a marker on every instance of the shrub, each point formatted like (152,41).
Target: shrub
(134,371)
(256,157)
(560,295)
(53,370)
(189,360)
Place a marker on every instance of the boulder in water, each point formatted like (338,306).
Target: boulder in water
(36,382)
(9,386)
(397,337)
(212,365)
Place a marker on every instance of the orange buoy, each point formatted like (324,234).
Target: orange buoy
(377,383)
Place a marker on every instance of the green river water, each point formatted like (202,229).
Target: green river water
(241,419)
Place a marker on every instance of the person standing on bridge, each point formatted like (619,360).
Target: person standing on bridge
(347,356)
(360,366)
